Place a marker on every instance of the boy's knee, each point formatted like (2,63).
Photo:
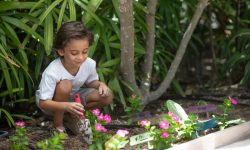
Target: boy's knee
(64,86)
(102,101)
(107,100)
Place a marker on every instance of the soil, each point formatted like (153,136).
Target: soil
(38,128)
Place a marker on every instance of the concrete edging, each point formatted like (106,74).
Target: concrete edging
(217,139)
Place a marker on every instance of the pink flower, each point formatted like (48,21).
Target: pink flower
(133,96)
(145,123)
(107,118)
(122,133)
(96,111)
(164,124)
(164,134)
(174,117)
(232,100)
(20,123)
(100,117)
(100,128)
(104,129)
(170,113)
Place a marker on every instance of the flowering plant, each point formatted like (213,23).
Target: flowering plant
(97,120)
(164,135)
(54,142)
(135,106)
(171,129)
(224,117)
(188,129)
(116,140)
(19,141)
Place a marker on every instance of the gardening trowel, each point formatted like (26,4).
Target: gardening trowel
(85,124)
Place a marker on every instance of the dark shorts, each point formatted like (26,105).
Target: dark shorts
(84,92)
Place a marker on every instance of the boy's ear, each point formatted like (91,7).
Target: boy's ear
(60,52)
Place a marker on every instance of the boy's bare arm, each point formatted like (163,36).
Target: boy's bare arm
(71,107)
(101,87)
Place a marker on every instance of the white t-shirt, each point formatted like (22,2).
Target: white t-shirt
(55,72)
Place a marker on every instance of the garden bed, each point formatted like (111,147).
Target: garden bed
(38,128)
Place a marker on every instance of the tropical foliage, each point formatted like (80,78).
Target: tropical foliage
(27,30)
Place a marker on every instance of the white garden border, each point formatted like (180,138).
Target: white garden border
(220,139)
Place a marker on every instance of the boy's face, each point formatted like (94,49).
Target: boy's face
(75,52)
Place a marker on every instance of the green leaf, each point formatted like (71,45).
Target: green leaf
(115,86)
(8,117)
(110,63)
(39,61)
(92,5)
(177,110)
(240,33)
(246,78)
(10,32)
(178,88)
(5,6)
(14,72)
(48,10)
(78,2)
(115,28)
(21,116)
(15,90)
(6,74)
(106,44)
(92,147)
(37,4)
(140,7)
(72,10)
(48,33)
(116,6)
(23,26)
(92,48)
(99,146)
(61,14)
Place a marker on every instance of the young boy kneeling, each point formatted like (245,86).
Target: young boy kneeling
(65,76)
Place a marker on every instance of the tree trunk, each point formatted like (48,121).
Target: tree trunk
(179,55)
(127,41)
(150,46)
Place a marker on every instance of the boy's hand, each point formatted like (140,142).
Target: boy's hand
(74,108)
(104,90)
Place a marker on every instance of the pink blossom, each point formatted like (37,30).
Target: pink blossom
(145,123)
(170,113)
(232,100)
(133,96)
(122,133)
(100,117)
(96,111)
(164,124)
(174,117)
(20,123)
(104,129)
(100,128)
(107,118)
(164,134)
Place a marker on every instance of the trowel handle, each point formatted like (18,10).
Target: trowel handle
(78,100)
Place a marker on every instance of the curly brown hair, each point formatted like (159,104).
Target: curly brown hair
(69,31)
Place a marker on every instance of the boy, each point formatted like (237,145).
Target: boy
(65,76)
